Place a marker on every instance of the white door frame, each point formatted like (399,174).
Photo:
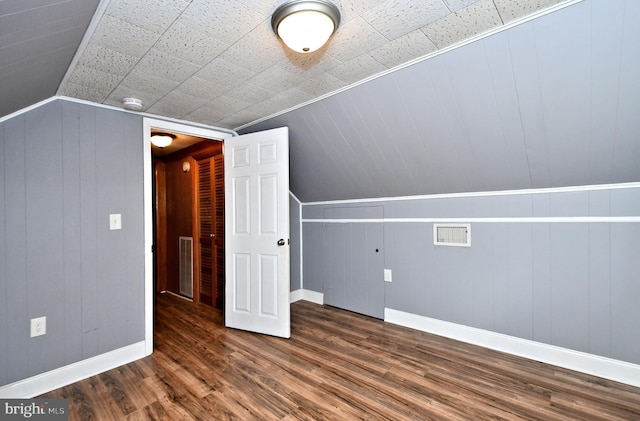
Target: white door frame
(147,125)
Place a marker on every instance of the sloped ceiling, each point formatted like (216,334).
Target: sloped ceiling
(547,102)
(38,40)
(218,62)
(553,102)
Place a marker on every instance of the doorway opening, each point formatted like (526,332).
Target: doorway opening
(184,188)
(189,219)
(256,178)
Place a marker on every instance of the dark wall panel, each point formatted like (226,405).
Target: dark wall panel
(179,214)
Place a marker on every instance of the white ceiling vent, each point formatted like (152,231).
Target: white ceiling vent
(452,235)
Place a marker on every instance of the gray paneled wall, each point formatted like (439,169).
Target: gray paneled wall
(538,268)
(64,167)
(351,258)
(295,242)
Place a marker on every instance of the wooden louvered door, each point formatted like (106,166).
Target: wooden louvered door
(218,226)
(211,230)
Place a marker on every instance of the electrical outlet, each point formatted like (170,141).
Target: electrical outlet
(387,275)
(38,326)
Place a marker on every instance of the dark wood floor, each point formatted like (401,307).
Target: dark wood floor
(336,366)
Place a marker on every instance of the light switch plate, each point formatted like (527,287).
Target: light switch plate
(115,221)
(387,275)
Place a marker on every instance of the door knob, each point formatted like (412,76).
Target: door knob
(281,242)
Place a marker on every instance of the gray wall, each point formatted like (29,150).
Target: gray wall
(295,239)
(566,282)
(64,167)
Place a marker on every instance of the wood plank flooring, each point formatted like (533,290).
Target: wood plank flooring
(336,366)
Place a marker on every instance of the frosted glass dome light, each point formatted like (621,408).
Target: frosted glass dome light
(162,140)
(305,25)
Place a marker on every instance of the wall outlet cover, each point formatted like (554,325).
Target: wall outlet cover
(38,326)
(387,275)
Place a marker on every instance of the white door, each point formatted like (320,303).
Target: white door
(257,232)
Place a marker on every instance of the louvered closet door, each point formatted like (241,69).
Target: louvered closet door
(218,227)
(211,228)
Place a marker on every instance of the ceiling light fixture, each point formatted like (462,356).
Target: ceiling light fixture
(305,25)
(162,140)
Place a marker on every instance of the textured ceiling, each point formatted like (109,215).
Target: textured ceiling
(218,62)
(537,100)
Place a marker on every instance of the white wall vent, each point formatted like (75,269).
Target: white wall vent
(186,266)
(452,235)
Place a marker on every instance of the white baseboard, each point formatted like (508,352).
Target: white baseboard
(54,379)
(306,295)
(608,368)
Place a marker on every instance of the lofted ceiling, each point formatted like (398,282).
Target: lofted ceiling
(410,97)
(551,102)
(218,62)
(38,40)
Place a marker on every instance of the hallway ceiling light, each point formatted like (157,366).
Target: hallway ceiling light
(305,25)
(162,140)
